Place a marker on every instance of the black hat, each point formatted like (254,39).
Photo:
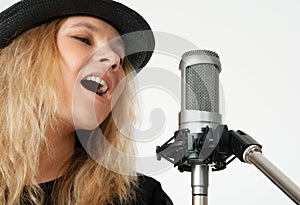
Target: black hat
(27,14)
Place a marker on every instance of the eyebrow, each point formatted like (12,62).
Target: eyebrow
(86,25)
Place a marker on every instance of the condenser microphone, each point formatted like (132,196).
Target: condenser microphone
(202,141)
(200,71)
(199,121)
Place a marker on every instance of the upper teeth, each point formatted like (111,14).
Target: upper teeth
(98,80)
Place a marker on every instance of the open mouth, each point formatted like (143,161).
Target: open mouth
(95,84)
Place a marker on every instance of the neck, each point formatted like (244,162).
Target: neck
(55,154)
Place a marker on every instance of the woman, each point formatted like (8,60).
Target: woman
(65,65)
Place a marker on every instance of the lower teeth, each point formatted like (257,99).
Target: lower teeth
(94,87)
(100,92)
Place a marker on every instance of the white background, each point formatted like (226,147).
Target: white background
(258,44)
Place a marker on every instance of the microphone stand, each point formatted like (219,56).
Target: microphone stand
(187,150)
(254,156)
(199,173)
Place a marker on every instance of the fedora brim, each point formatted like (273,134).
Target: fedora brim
(26,14)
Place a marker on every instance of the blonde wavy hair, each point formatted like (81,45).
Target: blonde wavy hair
(29,85)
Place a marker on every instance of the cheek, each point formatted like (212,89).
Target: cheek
(68,75)
(67,83)
(71,63)
(72,56)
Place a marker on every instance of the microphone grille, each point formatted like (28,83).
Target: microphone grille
(202,91)
(200,52)
(202,81)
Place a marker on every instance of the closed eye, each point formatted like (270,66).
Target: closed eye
(83,40)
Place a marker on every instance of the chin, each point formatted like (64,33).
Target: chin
(87,116)
(87,122)
(86,126)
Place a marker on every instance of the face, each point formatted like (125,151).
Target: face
(91,70)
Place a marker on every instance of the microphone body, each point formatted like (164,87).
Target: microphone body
(199,109)
(199,90)
(199,121)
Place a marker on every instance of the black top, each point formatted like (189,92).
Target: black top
(149,192)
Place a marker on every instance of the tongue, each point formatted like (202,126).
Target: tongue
(92,86)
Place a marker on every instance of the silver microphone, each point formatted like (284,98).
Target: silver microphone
(202,141)
(200,71)
(200,121)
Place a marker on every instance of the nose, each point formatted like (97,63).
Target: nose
(110,59)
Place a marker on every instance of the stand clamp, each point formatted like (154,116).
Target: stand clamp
(195,152)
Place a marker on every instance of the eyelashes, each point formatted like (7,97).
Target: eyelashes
(84,40)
